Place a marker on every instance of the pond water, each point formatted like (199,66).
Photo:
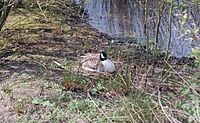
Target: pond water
(126,18)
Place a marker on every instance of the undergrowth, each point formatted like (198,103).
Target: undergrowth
(143,97)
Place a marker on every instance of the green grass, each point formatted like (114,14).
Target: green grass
(40,100)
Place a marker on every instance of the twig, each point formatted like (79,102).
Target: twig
(165,113)
(182,79)
(5,14)
(41,9)
(59,65)
(99,109)
(170,28)
(132,119)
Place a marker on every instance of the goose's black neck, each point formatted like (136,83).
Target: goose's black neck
(103,56)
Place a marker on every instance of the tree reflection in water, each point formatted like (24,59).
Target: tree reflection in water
(127,18)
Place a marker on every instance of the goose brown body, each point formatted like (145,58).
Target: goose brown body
(97,63)
(90,62)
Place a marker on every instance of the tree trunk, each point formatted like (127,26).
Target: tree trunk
(1,7)
(5,12)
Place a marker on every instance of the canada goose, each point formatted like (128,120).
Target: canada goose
(97,63)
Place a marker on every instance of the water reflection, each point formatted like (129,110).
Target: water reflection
(126,17)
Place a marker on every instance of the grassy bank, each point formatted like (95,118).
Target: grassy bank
(34,89)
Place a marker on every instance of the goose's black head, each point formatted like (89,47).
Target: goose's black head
(103,56)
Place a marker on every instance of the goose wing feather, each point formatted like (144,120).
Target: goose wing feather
(90,62)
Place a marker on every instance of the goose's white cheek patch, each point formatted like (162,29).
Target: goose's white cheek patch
(102,56)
